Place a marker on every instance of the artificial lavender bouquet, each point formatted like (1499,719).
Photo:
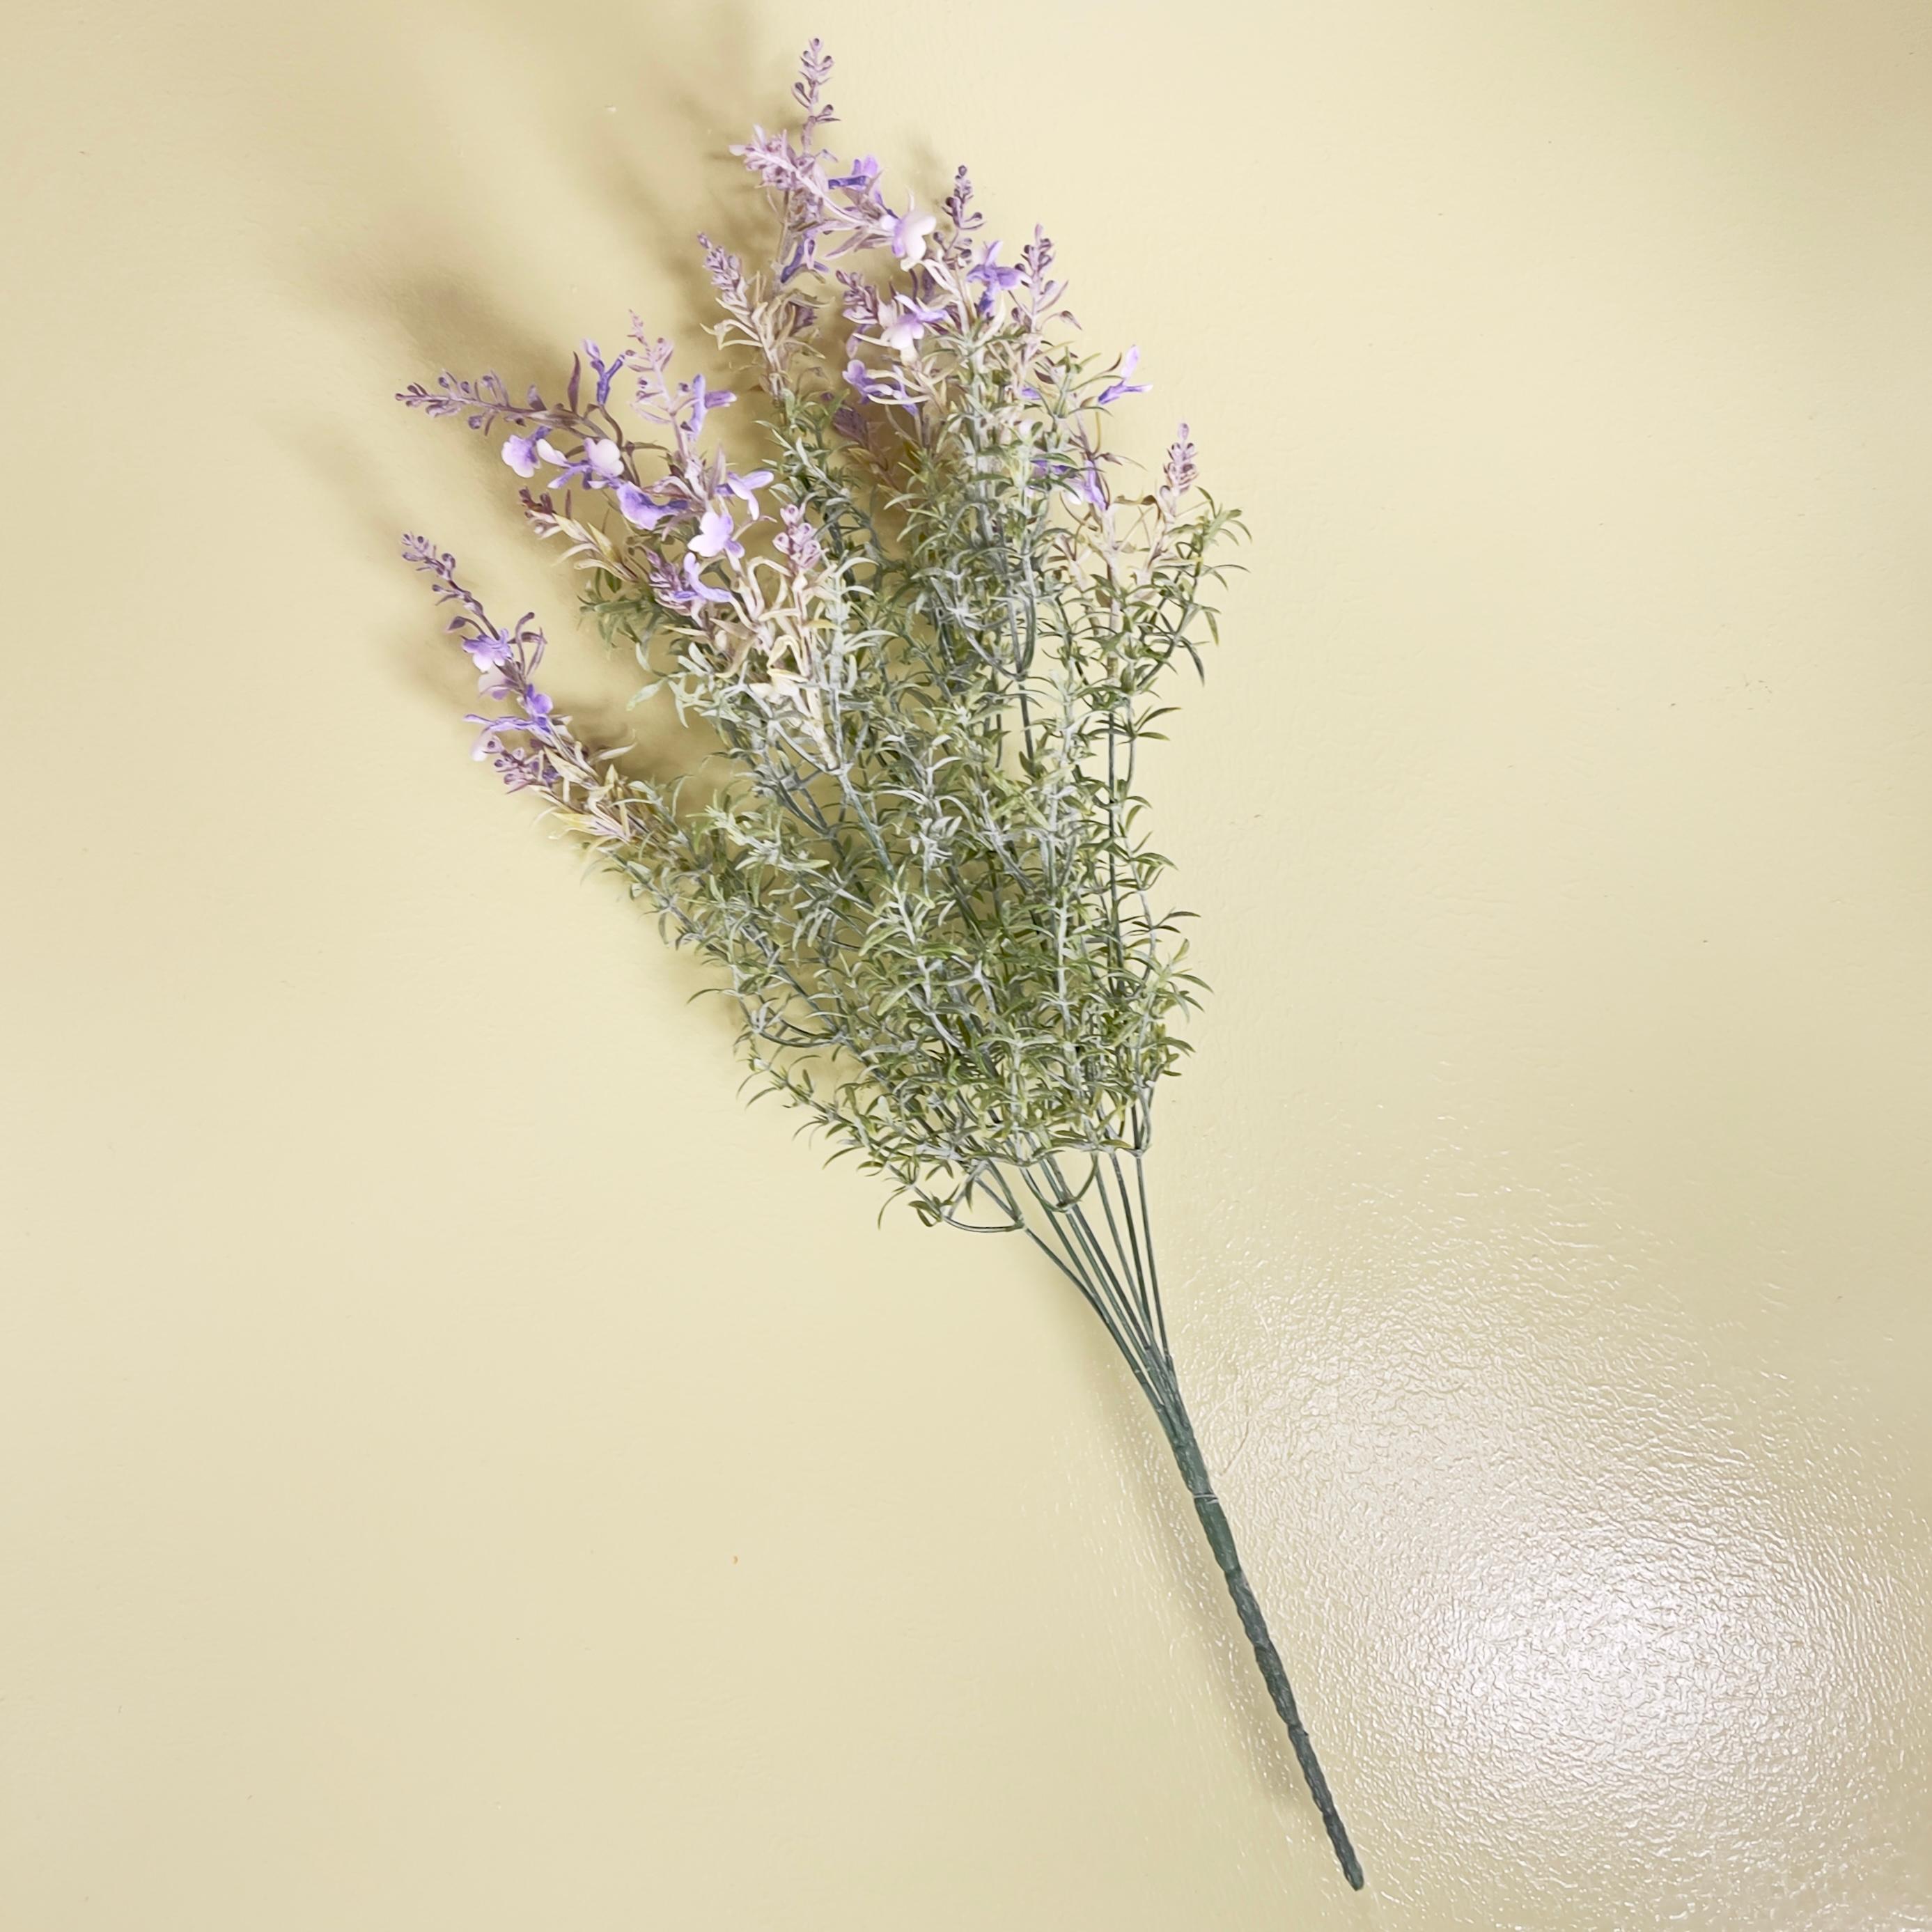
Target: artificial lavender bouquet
(919,641)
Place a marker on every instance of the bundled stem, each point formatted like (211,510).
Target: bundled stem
(1098,1236)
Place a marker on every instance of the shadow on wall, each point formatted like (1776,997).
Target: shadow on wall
(645,165)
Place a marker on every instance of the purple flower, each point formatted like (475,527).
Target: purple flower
(804,256)
(1082,480)
(536,718)
(904,322)
(1121,386)
(908,233)
(601,464)
(520,452)
(644,511)
(993,279)
(874,388)
(704,399)
(607,372)
(741,486)
(489,647)
(987,271)
(715,536)
(862,173)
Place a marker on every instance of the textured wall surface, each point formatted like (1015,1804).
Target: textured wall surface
(461,1470)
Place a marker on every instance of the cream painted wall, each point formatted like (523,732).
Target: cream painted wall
(462,1470)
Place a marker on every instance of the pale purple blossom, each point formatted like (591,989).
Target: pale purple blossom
(875,388)
(505,661)
(1083,481)
(645,512)
(606,372)
(489,649)
(741,487)
(701,400)
(859,177)
(600,464)
(715,536)
(520,452)
(991,273)
(902,322)
(1121,386)
(908,236)
(496,681)
(995,279)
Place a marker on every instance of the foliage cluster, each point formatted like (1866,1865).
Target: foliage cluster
(930,633)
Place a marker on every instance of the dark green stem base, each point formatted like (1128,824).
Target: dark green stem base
(1095,1229)
(1179,1428)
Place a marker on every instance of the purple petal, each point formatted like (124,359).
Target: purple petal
(715,530)
(638,508)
